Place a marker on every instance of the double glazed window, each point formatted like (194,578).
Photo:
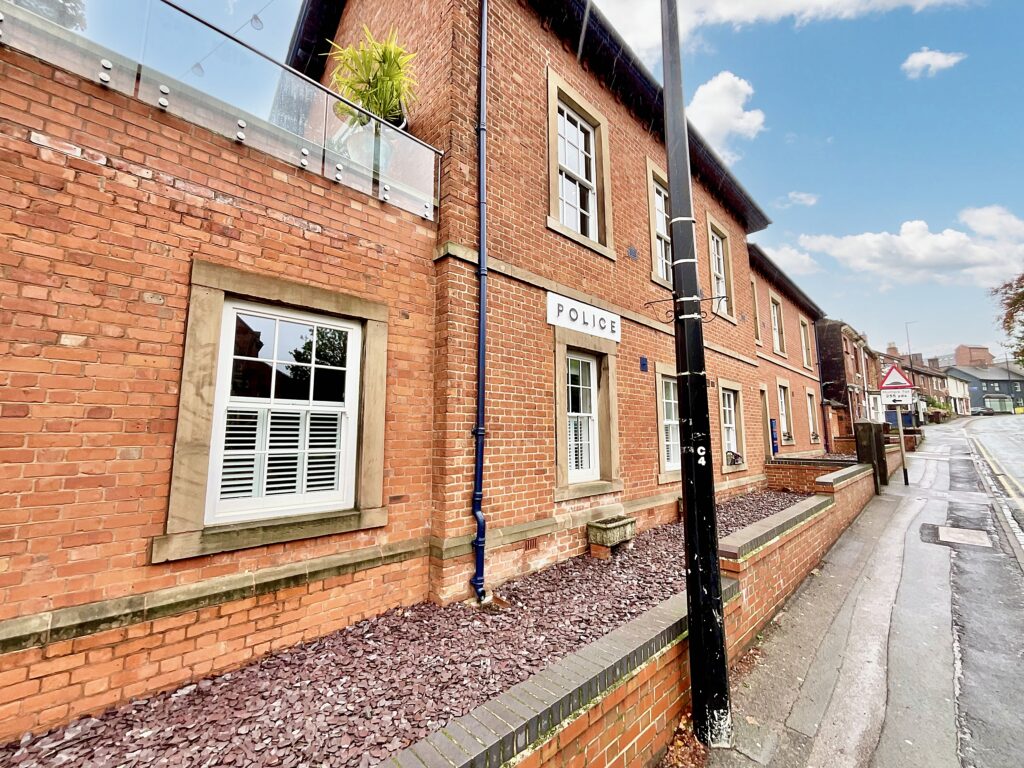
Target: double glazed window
(805,342)
(757,311)
(785,419)
(730,435)
(285,424)
(812,417)
(662,238)
(581,410)
(778,332)
(719,277)
(670,422)
(577,173)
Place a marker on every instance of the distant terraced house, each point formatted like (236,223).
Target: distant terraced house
(239,378)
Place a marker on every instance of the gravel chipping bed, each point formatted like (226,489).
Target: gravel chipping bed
(745,510)
(358,695)
(843,456)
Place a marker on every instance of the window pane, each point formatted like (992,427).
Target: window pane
(284,444)
(254,336)
(331,347)
(329,385)
(295,342)
(250,379)
(291,382)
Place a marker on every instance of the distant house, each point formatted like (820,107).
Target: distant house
(999,387)
(959,392)
(849,375)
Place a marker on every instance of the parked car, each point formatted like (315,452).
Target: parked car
(986,411)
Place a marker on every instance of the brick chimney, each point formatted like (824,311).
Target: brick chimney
(892,350)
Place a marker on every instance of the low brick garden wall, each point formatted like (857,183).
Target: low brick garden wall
(893,458)
(616,701)
(61,664)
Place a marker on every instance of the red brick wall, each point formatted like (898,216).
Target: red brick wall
(519,475)
(771,574)
(95,259)
(629,726)
(44,687)
(635,722)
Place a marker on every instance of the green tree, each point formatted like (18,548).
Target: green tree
(1011,301)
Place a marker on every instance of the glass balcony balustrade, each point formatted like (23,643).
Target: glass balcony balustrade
(168,56)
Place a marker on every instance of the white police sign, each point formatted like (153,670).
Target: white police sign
(569,313)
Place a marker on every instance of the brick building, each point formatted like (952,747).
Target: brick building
(967,354)
(239,373)
(850,376)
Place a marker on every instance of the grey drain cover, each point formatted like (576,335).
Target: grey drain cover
(949,535)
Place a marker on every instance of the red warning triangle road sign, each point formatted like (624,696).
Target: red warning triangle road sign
(895,379)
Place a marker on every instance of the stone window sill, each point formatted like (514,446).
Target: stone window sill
(672,476)
(228,538)
(657,280)
(582,490)
(729,469)
(557,226)
(728,318)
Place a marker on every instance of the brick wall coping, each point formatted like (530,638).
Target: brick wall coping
(526,714)
(744,542)
(813,462)
(843,477)
(459,546)
(76,621)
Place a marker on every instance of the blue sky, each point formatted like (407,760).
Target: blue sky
(896,186)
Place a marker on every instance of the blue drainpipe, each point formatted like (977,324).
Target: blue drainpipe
(479,543)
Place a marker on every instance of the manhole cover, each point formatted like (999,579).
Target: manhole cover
(948,535)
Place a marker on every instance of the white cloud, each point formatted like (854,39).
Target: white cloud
(792,260)
(989,249)
(805,199)
(717,110)
(639,21)
(929,62)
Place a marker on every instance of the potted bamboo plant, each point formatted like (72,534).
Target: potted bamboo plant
(376,75)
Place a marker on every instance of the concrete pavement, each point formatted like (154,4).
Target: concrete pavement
(904,648)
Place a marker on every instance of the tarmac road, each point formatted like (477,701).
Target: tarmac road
(906,648)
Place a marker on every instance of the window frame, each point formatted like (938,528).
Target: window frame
(778,324)
(812,416)
(805,343)
(594,457)
(716,229)
(657,182)
(736,388)
(785,408)
(186,532)
(757,312)
(560,92)
(609,478)
(666,472)
(269,507)
(580,179)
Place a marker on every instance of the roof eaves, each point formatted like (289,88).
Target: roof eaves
(764,264)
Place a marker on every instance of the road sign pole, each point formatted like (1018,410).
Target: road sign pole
(709,671)
(903,446)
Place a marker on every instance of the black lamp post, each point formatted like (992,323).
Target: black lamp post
(709,671)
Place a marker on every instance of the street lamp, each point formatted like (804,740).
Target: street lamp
(910,356)
(709,669)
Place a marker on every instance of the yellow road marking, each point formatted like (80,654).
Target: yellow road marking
(1003,476)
